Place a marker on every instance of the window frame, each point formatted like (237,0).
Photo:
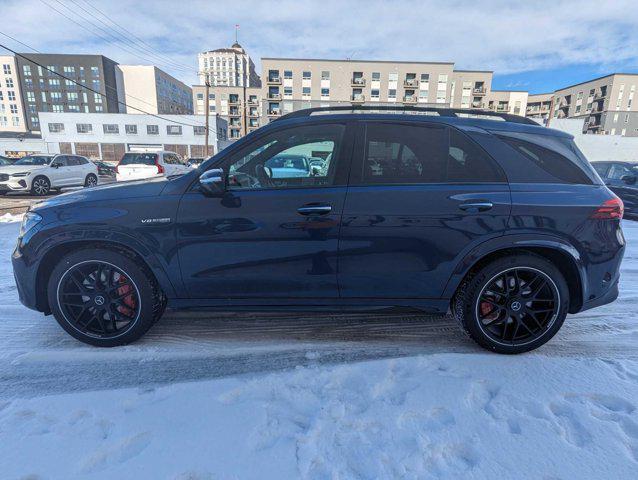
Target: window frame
(356,173)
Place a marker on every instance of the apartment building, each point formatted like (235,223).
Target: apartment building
(292,84)
(539,105)
(44,91)
(239,106)
(507,101)
(152,90)
(230,67)
(11,106)
(108,136)
(607,104)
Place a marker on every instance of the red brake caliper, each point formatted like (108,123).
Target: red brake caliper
(128,308)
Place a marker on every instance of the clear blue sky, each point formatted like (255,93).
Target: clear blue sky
(534,45)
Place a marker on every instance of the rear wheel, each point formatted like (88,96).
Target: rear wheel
(103,298)
(90,181)
(514,304)
(40,186)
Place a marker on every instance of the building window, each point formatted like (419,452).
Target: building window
(7,69)
(70,70)
(72,96)
(425,77)
(200,96)
(376,76)
(54,82)
(30,96)
(392,93)
(11,95)
(95,71)
(26,69)
(288,91)
(9,82)
(56,96)
(325,75)
(111,128)
(374,93)
(57,108)
(84,128)
(199,130)
(305,91)
(56,127)
(288,74)
(306,75)
(152,129)
(211,108)
(325,92)
(130,129)
(173,129)
(97,98)
(74,108)
(393,77)
(14,108)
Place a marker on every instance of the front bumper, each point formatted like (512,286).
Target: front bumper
(14,185)
(24,274)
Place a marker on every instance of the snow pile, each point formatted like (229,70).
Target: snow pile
(11,217)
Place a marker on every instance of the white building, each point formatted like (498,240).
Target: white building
(108,136)
(230,67)
(152,90)
(11,107)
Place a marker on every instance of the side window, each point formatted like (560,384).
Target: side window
(468,163)
(61,160)
(71,161)
(168,159)
(404,154)
(556,157)
(294,157)
(601,168)
(617,171)
(82,160)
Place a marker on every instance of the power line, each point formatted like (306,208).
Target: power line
(106,39)
(18,41)
(93,90)
(150,47)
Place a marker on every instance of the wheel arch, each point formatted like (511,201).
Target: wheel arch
(56,252)
(40,175)
(562,255)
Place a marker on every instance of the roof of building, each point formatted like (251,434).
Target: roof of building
(350,61)
(474,71)
(595,80)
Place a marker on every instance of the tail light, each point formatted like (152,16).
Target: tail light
(160,168)
(612,208)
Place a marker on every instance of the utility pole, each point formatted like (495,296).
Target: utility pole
(207,103)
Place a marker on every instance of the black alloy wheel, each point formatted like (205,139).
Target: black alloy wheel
(98,299)
(517,305)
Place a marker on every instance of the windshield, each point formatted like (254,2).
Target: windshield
(34,160)
(288,161)
(4,161)
(139,159)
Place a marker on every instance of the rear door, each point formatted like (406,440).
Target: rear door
(420,197)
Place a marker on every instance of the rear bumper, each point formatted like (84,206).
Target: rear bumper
(609,297)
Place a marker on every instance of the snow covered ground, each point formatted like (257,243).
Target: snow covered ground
(242,396)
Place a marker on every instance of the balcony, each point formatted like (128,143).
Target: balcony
(274,113)
(274,96)
(233,101)
(253,101)
(478,105)
(411,83)
(358,98)
(479,91)
(410,98)
(274,80)
(358,82)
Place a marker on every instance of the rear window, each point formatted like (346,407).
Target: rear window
(138,159)
(557,156)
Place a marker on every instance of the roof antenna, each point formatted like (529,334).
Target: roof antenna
(348,58)
(236,29)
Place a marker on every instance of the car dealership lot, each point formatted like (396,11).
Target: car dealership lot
(318,396)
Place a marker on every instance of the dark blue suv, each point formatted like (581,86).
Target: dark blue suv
(493,217)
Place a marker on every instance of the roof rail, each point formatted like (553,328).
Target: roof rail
(443,112)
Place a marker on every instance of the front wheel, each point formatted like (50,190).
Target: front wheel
(40,186)
(90,181)
(514,304)
(103,298)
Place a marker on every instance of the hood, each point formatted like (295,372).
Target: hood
(109,192)
(11,169)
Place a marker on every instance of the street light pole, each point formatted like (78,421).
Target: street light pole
(207,103)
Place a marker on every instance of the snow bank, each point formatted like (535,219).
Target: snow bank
(11,217)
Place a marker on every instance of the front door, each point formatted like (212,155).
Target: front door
(274,233)
(421,196)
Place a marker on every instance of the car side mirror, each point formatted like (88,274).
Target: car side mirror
(629,179)
(213,182)
(55,165)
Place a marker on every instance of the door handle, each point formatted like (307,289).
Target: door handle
(479,206)
(314,209)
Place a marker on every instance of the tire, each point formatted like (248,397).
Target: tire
(490,304)
(145,300)
(40,186)
(90,181)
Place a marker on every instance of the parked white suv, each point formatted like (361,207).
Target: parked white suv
(136,166)
(39,174)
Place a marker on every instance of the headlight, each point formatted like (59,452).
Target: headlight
(21,174)
(30,220)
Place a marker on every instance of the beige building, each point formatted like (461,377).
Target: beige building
(239,106)
(11,107)
(507,101)
(292,84)
(230,67)
(152,90)
(539,105)
(607,104)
